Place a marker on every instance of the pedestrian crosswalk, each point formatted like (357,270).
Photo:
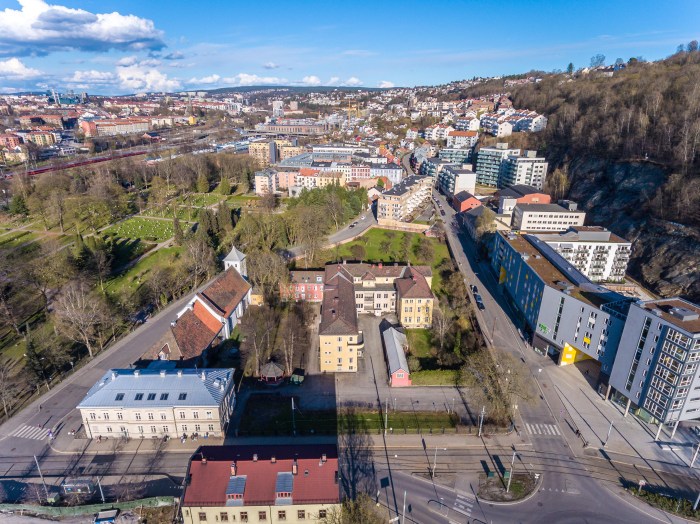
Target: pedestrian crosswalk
(32,432)
(543,430)
(463,505)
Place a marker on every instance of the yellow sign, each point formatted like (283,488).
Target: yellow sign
(502,276)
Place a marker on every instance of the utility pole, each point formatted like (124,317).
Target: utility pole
(608,437)
(102,493)
(481,418)
(697,501)
(695,455)
(46,490)
(386,417)
(294,424)
(435,461)
(512,467)
(403,513)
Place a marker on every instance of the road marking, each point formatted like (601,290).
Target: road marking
(463,506)
(545,430)
(31,432)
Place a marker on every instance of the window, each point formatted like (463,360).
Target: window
(137,416)
(209,415)
(184,427)
(322,513)
(197,427)
(211,427)
(399,375)
(120,416)
(195,414)
(223,516)
(164,396)
(281,515)
(139,396)
(163,416)
(153,429)
(182,414)
(182,396)
(105,416)
(150,416)
(151,396)
(140,428)
(301,514)
(109,429)
(202,516)
(262,515)
(119,397)
(93,416)
(244,516)
(165,429)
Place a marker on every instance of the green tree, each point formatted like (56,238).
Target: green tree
(224,218)
(177,231)
(35,363)
(202,183)
(380,183)
(224,186)
(18,206)
(570,68)
(358,252)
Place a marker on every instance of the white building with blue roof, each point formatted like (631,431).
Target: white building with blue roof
(145,403)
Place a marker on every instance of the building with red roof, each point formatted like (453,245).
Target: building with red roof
(261,483)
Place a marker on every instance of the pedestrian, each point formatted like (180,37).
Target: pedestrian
(39,407)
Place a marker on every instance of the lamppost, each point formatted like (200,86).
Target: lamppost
(435,461)
(608,437)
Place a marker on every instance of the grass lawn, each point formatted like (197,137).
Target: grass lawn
(201,199)
(272,415)
(138,274)
(18,238)
(143,228)
(373,239)
(419,342)
(398,420)
(184,213)
(435,377)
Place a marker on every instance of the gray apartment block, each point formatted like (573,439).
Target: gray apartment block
(656,370)
(566,313)
(488,163)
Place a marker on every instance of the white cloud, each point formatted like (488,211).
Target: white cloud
(334,81)
(385,84)
(127,61)
(353,81)
(271,65)
(92,77)
(14,69)
(245,79)
(211,79)
(41,28)
(311,80)
(140,77)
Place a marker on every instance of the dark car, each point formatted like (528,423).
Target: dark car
(480,305)
(442,212)
(475,289)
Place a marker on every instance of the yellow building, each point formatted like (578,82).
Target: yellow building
(329,178)
(259,483)
(288,151)
(260,151)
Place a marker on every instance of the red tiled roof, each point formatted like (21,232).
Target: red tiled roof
(206,317)
(413,285)
(192,335)
(314,482)
(225,292)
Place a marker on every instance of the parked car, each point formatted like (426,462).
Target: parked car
(442,212)
(480,305)
(475,290)
(352,225)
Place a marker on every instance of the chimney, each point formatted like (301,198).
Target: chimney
(162,372)
(137,372)
(295,467)
(323,458)
(273,459)
(204,459)
(204,375)
(255,457)
(114,375)
(379,265)
(233,468)
(179,372)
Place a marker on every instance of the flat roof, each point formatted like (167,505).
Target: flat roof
(665,307)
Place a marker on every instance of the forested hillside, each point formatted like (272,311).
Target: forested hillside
(626,148)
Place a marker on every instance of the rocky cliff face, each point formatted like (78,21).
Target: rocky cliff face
(665,255)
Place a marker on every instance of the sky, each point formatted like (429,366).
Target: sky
(129,46)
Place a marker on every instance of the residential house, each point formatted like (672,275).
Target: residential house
(303,285)
(462,139)
(395,347)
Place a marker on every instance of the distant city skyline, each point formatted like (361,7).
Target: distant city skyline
(128,46)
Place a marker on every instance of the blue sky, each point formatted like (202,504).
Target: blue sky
(129,46)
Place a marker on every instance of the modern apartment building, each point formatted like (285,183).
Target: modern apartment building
(656,371)
(528,169)
(488,163)
(431,167)
(145,403)
(291,484)
(568,315)
(511,196)
(263,151)
(456,155)
(265,182)
(288,151)
(547,217)
(399,202)
(453,179)
(596,252)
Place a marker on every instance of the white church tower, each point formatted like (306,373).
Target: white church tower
(236,260)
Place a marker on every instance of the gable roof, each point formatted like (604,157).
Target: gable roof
(413,285)
(394,343)
(186,339)
(338,315)
(225,293)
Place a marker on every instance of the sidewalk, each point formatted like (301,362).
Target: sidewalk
(65,444)
(593,415)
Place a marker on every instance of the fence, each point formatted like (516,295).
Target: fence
(69,511)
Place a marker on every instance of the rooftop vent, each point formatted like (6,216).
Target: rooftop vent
(114,375)
(273,459)
(233,468)
(683,314)
(162,373)
(137,372)
(204,375)
(179,372)
(323,458)
(255,457)
(295,467)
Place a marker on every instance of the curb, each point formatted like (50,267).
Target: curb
(534,492)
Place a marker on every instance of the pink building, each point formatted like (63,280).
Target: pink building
(395,346)
(359,172)
(303,285)
(286,179)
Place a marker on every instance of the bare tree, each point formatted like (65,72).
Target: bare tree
(257,325)
(8,309)
(81,316)
(8,389)
(442,319)
(199,259)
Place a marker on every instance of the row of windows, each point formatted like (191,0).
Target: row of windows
(151,396)
(151,415)
(154,429)
(262,515)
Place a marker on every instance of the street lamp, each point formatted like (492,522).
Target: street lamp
(435,461)
(608,437)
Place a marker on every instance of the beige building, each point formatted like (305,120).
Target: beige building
(402,200)
(261,151)
(260,483)
(288,151)
(329,178)
(147,403)
(351,289)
